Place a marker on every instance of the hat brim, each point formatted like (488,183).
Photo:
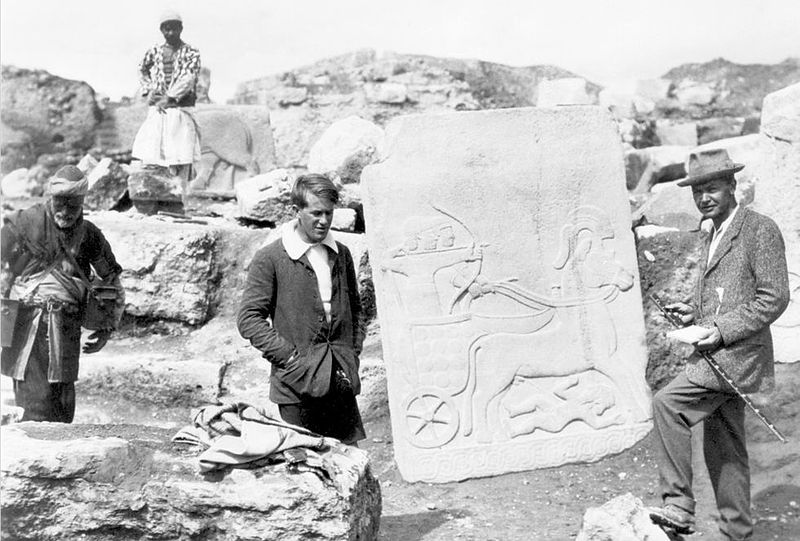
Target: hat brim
(700,179)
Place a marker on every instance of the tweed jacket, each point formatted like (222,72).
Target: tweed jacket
(281,312)
(742,290)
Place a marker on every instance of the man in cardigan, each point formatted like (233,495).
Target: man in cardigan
(744,287)
(48,251)
(300,308)
(168,78)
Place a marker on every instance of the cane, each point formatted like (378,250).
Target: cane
(676,322)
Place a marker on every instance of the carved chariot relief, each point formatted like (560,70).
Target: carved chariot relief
(506,286)
(493,360)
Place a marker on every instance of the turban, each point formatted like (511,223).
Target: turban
(169,15)
(69,181)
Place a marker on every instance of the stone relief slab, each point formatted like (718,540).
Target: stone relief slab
(507,290)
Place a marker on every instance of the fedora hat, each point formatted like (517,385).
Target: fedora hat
(705,165)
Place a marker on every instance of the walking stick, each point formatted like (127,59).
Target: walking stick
(677,323)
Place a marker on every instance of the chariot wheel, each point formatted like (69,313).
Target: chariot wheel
(431,418)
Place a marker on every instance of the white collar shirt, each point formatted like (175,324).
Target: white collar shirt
(716,234)
(318,258)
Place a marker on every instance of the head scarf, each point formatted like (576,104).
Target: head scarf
(69,181)
(169,15)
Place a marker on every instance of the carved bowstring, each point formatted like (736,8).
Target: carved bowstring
(473,245)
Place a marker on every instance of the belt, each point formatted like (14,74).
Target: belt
(51,304)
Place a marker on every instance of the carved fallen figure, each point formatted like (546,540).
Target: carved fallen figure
(569,401)
(513,334)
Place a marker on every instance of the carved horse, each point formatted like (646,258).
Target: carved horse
(580,337)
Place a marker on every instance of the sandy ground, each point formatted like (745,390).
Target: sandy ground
(543,504)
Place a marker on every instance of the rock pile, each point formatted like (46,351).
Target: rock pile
(303,102)
(104,482)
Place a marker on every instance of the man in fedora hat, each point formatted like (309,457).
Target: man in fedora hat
(742,289)
(48,253)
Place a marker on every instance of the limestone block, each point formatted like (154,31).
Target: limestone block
(292,95)
(102,482)
(566,91)
(646,167)
(694,93)
(622,519)
(153,189)
(780,113)
(18,183)
(344,220)
(778,196)
(154,184)
(350,195)
(345,148)
(168,268)
(669,133)
(266,197)
(670,205)
(396,93)
(87,163)
(507,291)
(57,114)
(108,183)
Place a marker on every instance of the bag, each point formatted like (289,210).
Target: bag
(101,301)
(9,308)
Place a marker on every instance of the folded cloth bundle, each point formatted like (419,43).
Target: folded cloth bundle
(239,434)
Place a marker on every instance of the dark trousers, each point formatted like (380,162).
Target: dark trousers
(334,415)
(678,407)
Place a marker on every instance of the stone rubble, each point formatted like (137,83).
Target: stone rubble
(623,518)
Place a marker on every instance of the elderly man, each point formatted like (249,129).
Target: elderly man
(743,288)
(168,76)
(301,310)
(48,253)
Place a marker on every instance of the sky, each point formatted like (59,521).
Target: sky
(608,42)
